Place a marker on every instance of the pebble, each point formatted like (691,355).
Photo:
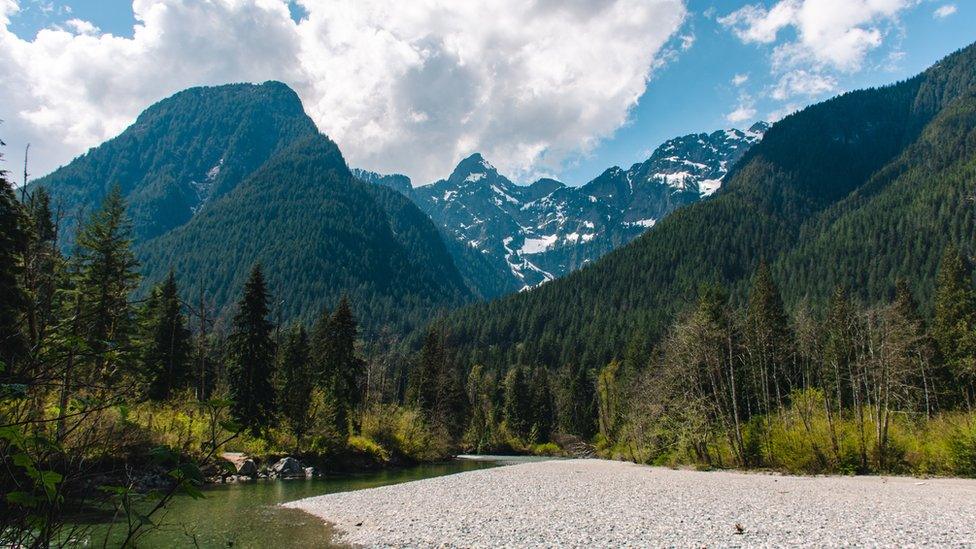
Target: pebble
(597,503)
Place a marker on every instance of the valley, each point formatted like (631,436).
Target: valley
(214,303)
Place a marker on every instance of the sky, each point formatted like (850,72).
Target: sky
(558,88)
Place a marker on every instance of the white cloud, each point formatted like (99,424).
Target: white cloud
(740,79)
(80,26)
(407,86)
(944,11)
(800,82)
(745,111)
(835,34)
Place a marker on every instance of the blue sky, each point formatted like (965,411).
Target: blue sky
(691,88)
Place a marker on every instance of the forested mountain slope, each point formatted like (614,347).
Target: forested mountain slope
(180,154)
(858,190)
(218,178)
(319,233)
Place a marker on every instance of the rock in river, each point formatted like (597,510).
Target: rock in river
(288,467)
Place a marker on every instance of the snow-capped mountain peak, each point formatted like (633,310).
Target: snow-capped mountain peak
(534,233)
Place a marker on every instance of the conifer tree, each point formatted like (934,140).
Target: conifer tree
(954,319)
(319,342)
(167,347)
(346,368)
(542,406)
(252,357)
(42,266)
(518,403)
(768,341)
(576,401)
(13,300)
(106,276)
(296,382)
(422,390)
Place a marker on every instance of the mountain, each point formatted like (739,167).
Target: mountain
(219,178)
(860,190)
(527,235)
(182,153)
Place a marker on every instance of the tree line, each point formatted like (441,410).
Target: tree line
(79,354)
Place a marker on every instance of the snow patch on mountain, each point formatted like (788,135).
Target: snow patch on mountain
(538,232)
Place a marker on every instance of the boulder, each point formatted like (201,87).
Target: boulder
(288,467)
(248,469)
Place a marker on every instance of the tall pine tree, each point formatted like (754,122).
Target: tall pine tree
(167,347)
(953,324)
(518,403)
(252,357)
(13,300)
(42,266)
(106,276)
(345,367)
(768,342)
(296,382)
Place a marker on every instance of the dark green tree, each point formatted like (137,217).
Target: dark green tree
(167,347)
(106,277)
(296,382)
(345,366)
(953,322)
(542,405)
(43,265)
(252,357)
(576,401)
(320,340)
(768,342)
(429,363)
(13,300)
(517,408)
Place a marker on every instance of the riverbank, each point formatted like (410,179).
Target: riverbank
(581,503)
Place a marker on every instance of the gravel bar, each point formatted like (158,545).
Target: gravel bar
(596,503)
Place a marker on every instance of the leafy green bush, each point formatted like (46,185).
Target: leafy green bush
(405,432)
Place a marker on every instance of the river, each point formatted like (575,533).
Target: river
(248,514)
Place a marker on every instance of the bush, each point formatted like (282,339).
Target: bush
(405,432)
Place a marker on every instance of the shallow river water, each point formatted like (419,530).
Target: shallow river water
(248,515)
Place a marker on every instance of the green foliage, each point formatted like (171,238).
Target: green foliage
(13,301)
(296,382)
(575,401)
(517,410)
(106,276)
(252,357)
(166,349)
(405,432)
(954,321)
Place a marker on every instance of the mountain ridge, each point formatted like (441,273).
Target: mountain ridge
(530,234)
(833,162)
(219,178)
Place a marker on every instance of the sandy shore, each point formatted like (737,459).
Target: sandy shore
(587,503)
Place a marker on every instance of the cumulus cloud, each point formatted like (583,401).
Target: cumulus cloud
(835,34)
(743,112)
(800,82)
(812,42)
(944,11)
(407,86)
(740,79)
